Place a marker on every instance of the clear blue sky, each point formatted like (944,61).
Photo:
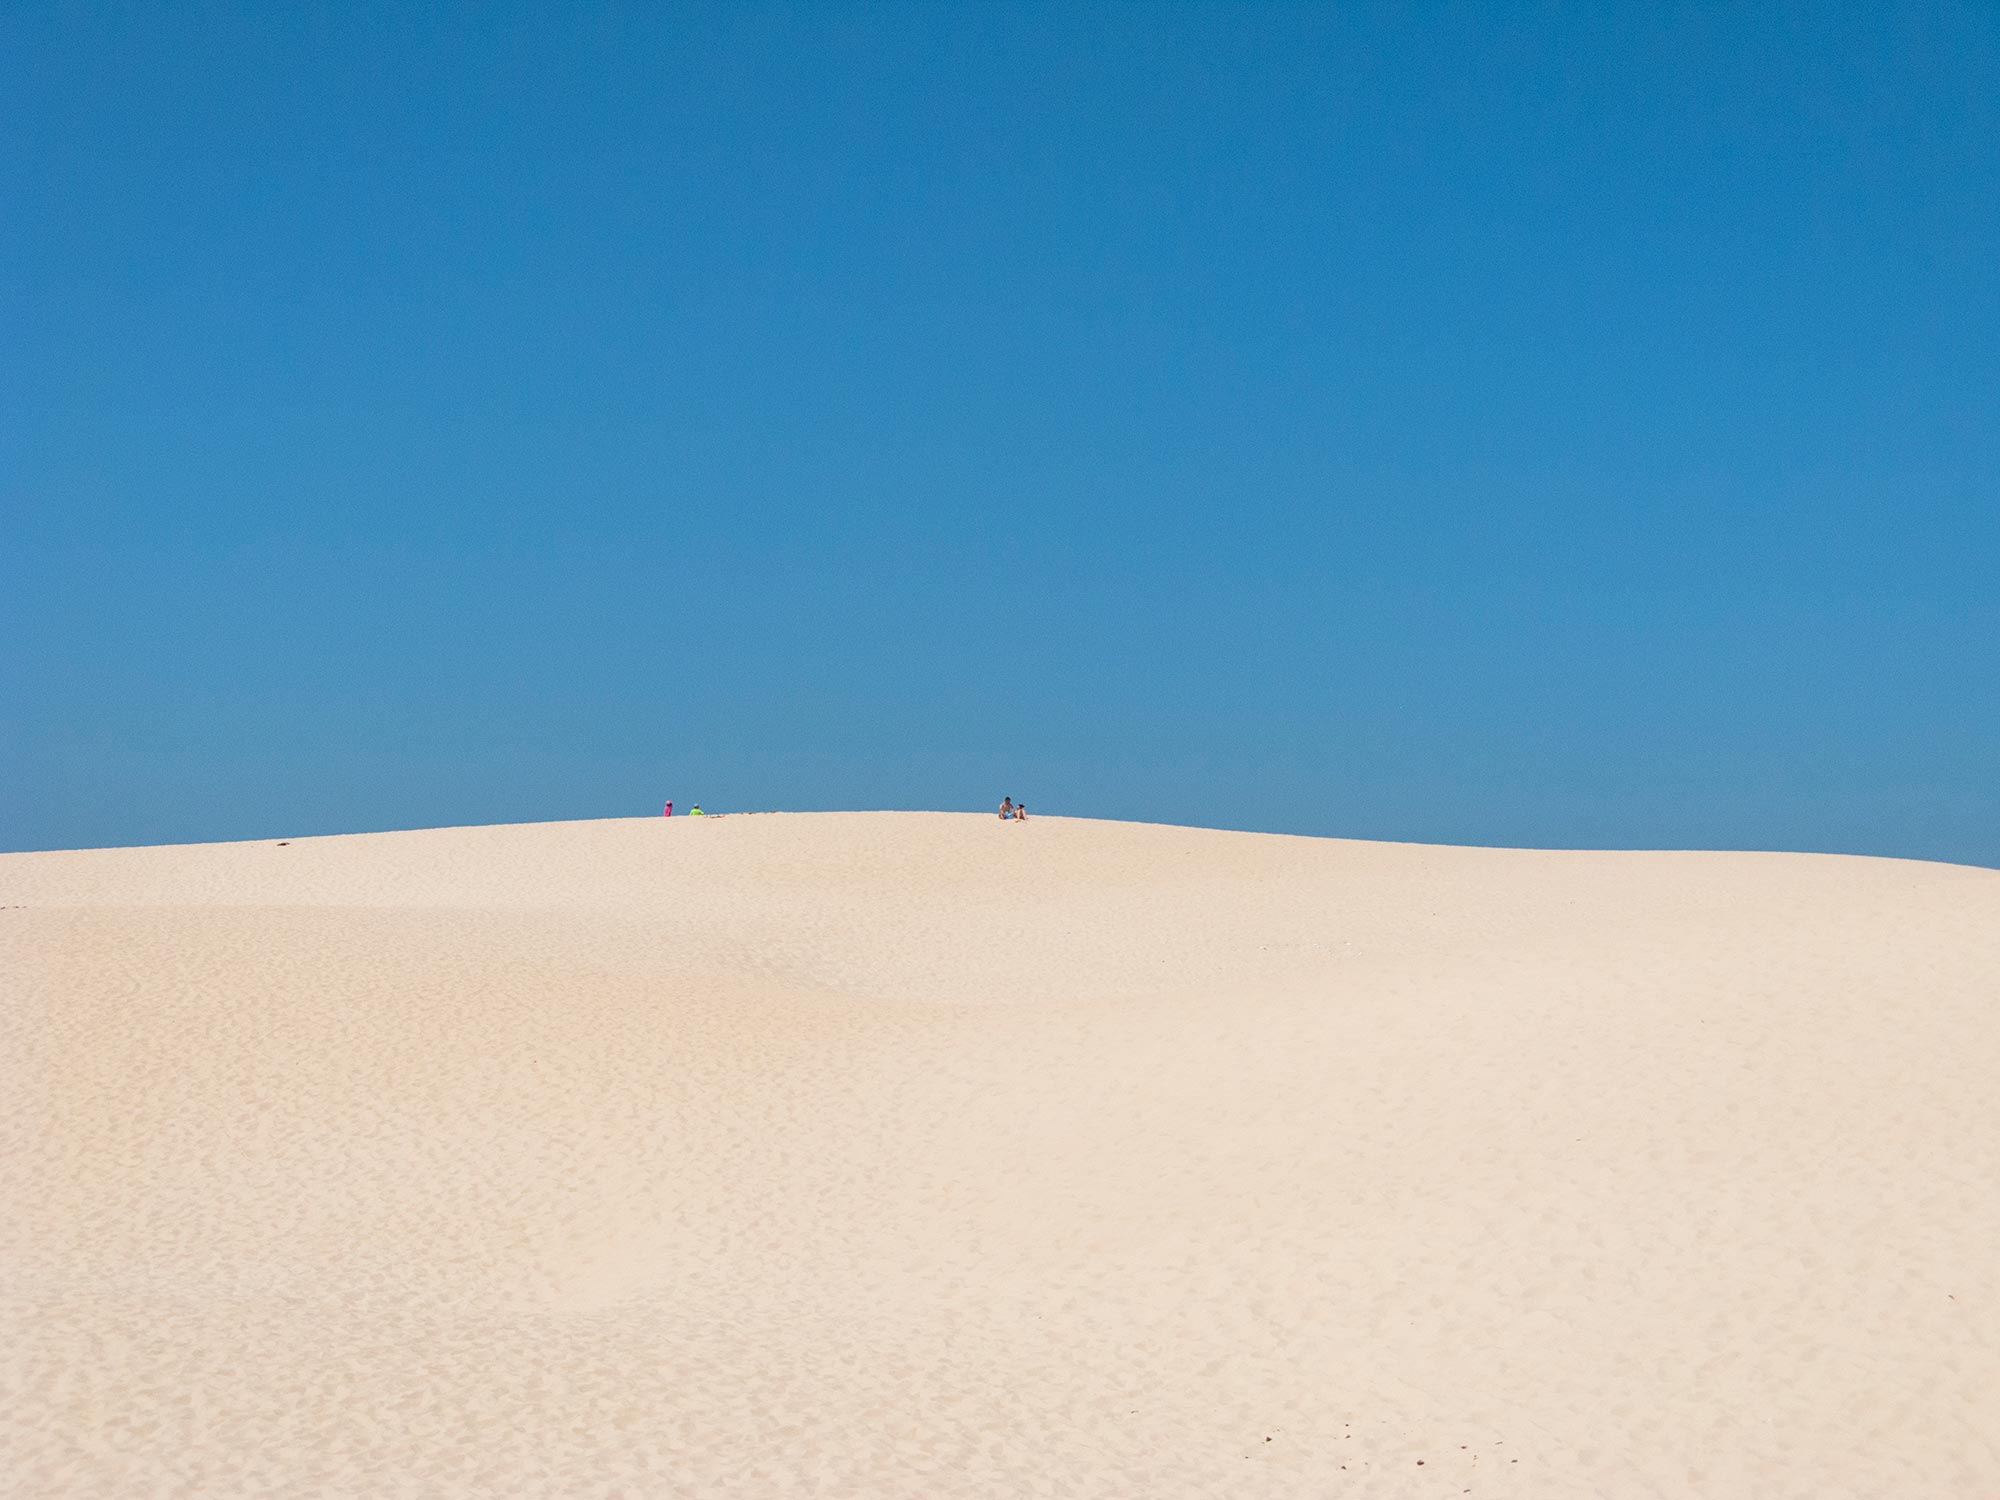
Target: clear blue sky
(1556,425)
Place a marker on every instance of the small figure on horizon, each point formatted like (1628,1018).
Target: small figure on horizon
(1006,808)
(696,812)
(1020,812)
(669,812)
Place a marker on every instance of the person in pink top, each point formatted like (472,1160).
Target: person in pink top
(669,812)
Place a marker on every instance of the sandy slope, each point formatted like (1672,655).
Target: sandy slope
(918,1155)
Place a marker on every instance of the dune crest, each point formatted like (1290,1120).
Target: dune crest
(899,1154)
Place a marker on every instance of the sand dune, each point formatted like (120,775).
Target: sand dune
(921,1155)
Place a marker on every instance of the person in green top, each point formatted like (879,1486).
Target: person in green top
(696,812)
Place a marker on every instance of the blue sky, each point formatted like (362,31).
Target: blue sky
(1558,425)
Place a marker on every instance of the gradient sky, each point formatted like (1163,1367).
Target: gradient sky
(1553,425)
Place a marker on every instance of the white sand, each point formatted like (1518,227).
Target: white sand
(921,1155)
